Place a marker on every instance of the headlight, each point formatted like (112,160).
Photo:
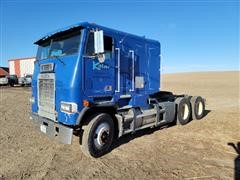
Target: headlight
(68,107)
(32,100)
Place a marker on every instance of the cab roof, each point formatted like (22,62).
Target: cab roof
(87,25)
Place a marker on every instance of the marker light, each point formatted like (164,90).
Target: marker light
(86,103)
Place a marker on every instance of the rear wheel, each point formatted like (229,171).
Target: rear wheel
(97,135)
(198,107)
(183,110)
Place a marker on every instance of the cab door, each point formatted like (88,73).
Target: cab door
(99,76)
(125,69)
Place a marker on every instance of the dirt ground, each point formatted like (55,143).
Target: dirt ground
(198,150)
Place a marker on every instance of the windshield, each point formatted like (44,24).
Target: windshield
(60,46)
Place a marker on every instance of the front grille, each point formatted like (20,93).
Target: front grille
(46,93)
(46,96)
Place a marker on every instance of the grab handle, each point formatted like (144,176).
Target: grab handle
(118,70)
(133,73)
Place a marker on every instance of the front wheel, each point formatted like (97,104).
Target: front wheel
(97,136)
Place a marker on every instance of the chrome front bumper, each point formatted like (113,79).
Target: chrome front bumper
(53,130)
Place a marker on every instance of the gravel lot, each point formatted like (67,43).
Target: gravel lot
(198,150)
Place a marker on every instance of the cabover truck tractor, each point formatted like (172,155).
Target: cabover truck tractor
(100,84)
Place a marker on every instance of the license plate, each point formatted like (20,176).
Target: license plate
(43,128)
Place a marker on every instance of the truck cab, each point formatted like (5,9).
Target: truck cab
(98,82)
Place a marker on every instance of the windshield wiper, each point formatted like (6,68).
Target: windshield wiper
(57,57)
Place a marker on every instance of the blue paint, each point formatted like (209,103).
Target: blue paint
(79,77)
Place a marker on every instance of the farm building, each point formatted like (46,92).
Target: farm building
(21,66)
(4,71)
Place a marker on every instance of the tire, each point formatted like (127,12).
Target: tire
(198,107)
(97,136)
(183,110)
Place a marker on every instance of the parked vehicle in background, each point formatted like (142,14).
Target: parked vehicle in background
(9,80)
(28,79)
(21,81)
(12,80)
(3,80)
(25,81)
(22,68)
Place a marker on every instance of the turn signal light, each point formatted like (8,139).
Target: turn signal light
(86,103)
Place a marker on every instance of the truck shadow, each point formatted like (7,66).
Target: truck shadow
(206,113)
(128,137)
(236,147)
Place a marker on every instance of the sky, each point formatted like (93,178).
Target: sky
(196,35)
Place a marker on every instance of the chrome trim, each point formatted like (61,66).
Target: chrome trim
(46,67)
(133,73)
(125,96)
(101,131)
(46,110)
(118,66)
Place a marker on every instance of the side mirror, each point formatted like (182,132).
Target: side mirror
(98,42)
(99,45)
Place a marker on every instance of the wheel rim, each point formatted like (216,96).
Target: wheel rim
(199,108)
(185,112)
(101,135)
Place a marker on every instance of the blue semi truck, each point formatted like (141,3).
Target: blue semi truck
(100,84)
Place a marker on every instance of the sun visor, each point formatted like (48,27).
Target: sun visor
(61,31)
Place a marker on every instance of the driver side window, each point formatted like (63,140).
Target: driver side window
(90,44)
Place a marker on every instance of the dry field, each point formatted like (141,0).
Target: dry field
(198,150)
